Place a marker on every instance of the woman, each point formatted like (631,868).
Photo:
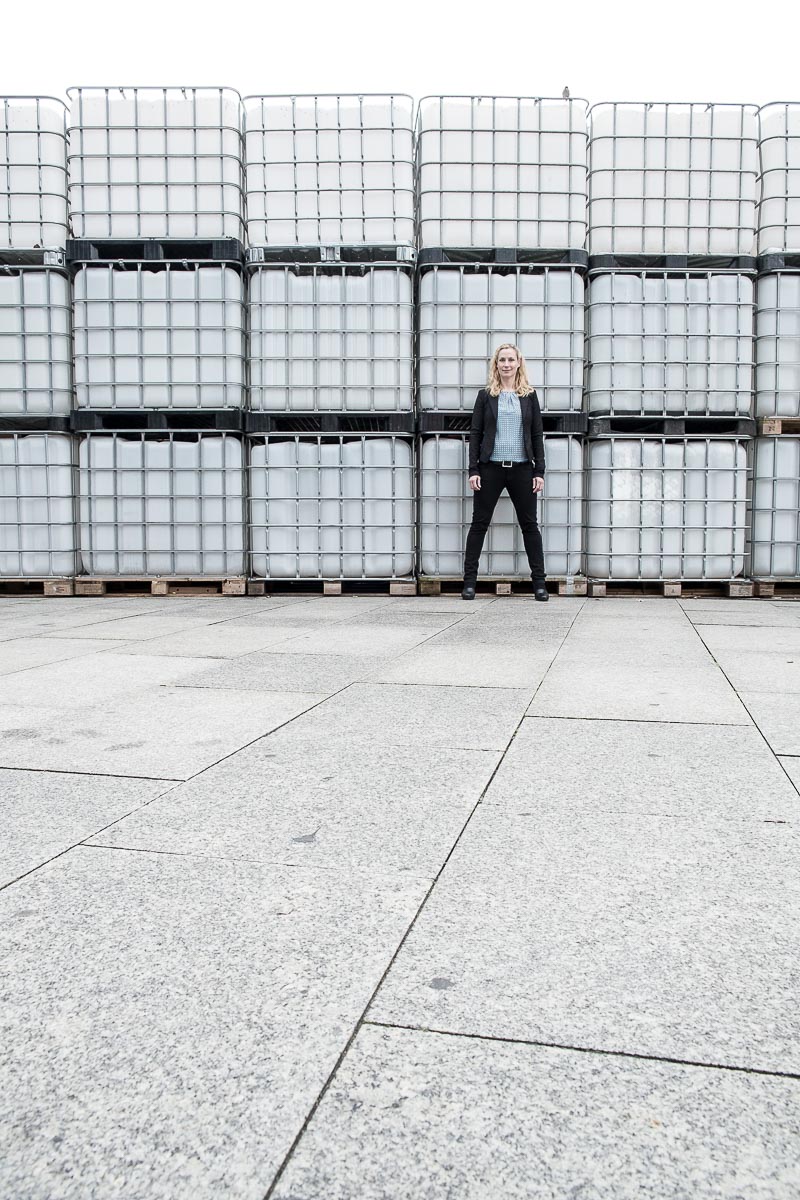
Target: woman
(506,450)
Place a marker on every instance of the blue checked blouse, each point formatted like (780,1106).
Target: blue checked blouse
(509,444)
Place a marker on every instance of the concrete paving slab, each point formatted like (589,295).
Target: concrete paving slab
(446,603)
(145,626)
(475,665)
(211,641)
(378,640)
(323,609)
(722,604)
(778,718)
(278,672)
(23,653)
(327,806)
(93,679)
(569,766)
(761,672)
(645,642)
(43,813)
(167,733)
(387,714)
(413,1113)
(173,1020)
(635,692)
(792,768)
(640,935)
(632,607)
(735,639)
(768,615)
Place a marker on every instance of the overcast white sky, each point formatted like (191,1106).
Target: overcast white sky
(605,50)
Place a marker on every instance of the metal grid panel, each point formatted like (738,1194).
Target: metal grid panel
(661,508)
(161,504)
(170,336)
(670,344)
(35,346)
(445,512)
(778,345)
(37,505)
(33,172)
(329,170)
(156,162)
(779,203)
(331,338)
(774,550)
(672,178)
(332,507)
(501,171)
(464,312)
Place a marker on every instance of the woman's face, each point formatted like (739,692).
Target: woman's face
(507,364)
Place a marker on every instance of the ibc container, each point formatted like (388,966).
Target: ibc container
(37,505)
(331,507)
(33,172)
(665,508)
(672,178)
(779,204)
(445,512)
(670,344)
(161,504)
(155,162)
(331,338)
(166,335)
(329,170)
(501,171)
(775,538)
(465,312)
(35,346)
(778,345)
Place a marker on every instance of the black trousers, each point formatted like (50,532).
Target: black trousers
(518,482)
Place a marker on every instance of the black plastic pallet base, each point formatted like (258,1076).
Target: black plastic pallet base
(636,426)
(36,257)
(89,250)
(741,264)
(258,422)
(459,422)
(778,262)
(86,421)
(434,255)
(25,424)
(262,255)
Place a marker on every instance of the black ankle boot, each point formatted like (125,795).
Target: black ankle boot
(468,591)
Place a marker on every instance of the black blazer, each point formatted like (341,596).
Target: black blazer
(484,428)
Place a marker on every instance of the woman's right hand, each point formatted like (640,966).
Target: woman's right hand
(475,482)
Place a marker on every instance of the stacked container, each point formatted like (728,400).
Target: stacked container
(501,195)
(37,494)
(670,320)
(330,234)
(775,515)
(157,209)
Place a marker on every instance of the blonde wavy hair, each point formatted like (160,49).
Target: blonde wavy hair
(522,385)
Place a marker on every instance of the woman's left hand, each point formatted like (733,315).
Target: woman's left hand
(538,484)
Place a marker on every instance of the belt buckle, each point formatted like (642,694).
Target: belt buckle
(507,462)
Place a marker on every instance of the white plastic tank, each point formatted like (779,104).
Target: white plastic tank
(161,504)
(465,312)
(329,170)
(775,545)
(445,512)
(35,346)
(37,516)
(159,336)
(664,508)
(672,178)
(156,162)
(331,338)
(33,172)
(670,344)
(778,345)
(339,507)
(501,171)
(779,205)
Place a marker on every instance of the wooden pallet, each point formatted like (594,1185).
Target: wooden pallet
(160,585)
(732,589)
(770,589)
(332,587)
(566,585)
(37,587)
(775,426)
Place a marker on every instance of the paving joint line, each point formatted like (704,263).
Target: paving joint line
(632,1054)
(363,1018)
